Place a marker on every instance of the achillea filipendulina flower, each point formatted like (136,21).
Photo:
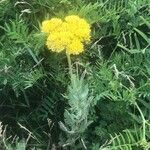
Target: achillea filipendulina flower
(69,35)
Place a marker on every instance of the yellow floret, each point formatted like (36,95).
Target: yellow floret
(51,25)
(45,26)
(79,27)
(75,48)
(54,44)
(81,31)
(57,41)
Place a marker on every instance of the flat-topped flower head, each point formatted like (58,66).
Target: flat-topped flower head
(69,35)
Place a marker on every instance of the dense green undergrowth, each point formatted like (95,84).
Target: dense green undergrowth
(105,105)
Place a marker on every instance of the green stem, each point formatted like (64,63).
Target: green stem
(144,122)
(69,64)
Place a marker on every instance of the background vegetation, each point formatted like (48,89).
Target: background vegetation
(105,107)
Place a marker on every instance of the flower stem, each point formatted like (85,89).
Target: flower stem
(69,64)
(143,120)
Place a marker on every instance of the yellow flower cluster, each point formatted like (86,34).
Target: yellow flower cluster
(69,35)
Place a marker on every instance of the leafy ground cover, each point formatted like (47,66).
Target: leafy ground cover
(100,101)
